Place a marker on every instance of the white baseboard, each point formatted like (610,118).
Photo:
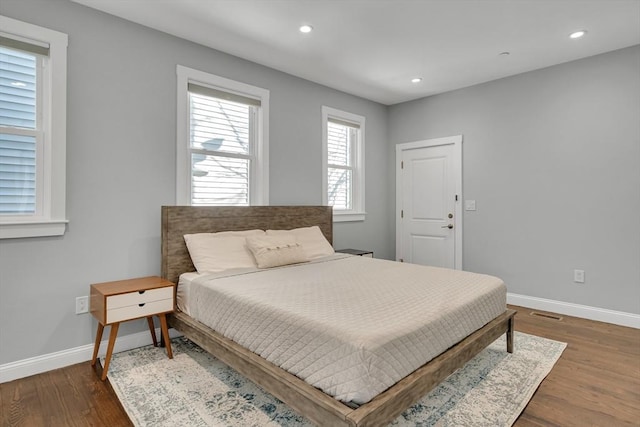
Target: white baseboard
(35,365)
(569,309)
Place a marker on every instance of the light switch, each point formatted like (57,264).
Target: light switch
(469,205)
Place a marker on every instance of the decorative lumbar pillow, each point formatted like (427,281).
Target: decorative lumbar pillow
(313,242)
(274,251)
(216,252)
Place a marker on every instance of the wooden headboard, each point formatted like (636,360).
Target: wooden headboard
(180,220)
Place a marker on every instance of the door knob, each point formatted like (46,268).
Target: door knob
(450,226)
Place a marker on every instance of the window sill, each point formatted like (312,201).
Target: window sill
(17,230)
(348,217)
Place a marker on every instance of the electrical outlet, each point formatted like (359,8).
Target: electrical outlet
(578,276)
(82,305)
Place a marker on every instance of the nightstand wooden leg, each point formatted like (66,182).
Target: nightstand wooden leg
(152,329)
(165,334)
(96,346)
(510,329)
(112,340)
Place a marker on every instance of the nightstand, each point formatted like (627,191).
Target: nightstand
(115,302)
(356,252)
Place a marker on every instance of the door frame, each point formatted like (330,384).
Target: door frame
(456,141)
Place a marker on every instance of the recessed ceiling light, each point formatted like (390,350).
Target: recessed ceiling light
(416,80)
(306,28)
(504,53)
(577,34)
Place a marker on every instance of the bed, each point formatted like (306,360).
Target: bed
(310,401)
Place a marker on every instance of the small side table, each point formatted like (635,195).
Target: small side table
(124,300)
(358,252)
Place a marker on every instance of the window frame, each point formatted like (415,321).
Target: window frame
(50,216)
(357,213)
(259,170)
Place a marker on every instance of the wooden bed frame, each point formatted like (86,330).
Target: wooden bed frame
(307,400)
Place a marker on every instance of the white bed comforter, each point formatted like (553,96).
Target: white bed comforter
(348,325)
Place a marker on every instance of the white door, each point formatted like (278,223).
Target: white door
(429,195)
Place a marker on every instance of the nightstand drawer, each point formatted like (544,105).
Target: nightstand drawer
(135,311)
(139,297)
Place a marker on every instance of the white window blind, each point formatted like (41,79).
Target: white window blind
(21,137)
(33,130)
(343,139)
(222,140)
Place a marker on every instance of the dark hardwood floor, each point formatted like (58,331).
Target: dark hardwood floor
(596,382)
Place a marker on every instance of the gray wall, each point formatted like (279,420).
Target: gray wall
(121,168)
(552,158)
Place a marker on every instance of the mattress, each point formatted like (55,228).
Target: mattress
(348,325)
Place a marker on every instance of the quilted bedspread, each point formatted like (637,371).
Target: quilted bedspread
(351,326)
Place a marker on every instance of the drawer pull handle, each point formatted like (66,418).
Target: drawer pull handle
(142,304)
(141,292)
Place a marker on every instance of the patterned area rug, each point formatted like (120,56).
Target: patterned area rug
(195,389)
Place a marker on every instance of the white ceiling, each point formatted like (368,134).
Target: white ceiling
(372,48)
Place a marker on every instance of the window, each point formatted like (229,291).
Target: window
(33,76)
(222,141)
(343,164)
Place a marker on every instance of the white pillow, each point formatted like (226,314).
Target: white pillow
(313,242)
(274,251)
(215,252)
